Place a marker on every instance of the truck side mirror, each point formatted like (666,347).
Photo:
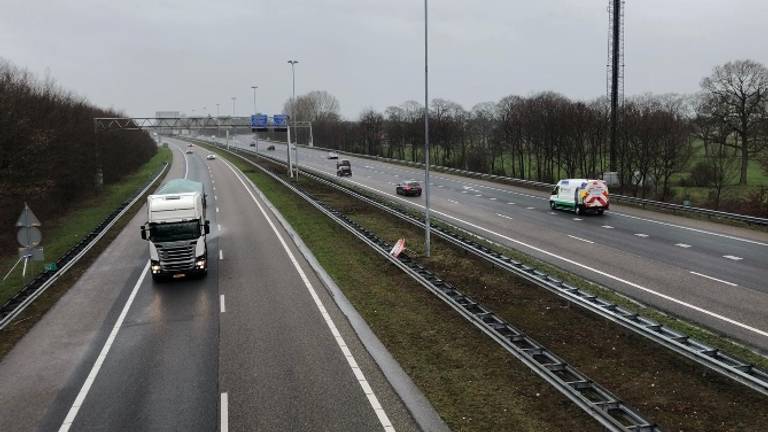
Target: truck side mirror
(207,227)
(143,230)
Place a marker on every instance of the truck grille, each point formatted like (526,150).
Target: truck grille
(177,256)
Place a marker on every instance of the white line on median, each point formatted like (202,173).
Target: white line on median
(372,399)
(222,304)
(581,239)
(70,418)
(224,413)
(221,254)
(715,279)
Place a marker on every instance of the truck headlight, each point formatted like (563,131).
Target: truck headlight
(155,268)
(200,263)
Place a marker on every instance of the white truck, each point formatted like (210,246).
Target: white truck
(176,229)
(580,195)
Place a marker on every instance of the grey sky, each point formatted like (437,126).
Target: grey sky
(141,56)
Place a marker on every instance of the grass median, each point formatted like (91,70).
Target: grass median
(65,231)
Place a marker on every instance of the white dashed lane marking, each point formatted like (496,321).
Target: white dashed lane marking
(607,227)
(503,216)
(732,257)
(581,239)
(682,245)
(715,279)
(642,235)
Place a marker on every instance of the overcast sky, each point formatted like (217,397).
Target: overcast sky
(142,56)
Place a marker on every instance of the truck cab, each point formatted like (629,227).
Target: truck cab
(343,168)
(580,195)
(176,230)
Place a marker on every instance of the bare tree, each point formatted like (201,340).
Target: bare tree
(736,96)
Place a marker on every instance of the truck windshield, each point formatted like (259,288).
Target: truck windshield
(174,231)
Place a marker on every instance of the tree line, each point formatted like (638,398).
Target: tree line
(547,136)
(50,155)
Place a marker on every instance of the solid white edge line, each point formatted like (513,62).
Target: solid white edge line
(578,264)
(70,418)
(362,381)
(222,304)
(581,239)
(224,425)
(714,279)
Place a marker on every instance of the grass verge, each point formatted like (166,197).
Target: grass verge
(677,393)
(61,234)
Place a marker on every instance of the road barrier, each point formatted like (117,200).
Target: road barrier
(37,286)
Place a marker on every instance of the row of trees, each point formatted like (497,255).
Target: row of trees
(49,153)
(547,136)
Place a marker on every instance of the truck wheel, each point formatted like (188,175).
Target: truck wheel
(600,212)
(157,278)
(552,205)
(579,210)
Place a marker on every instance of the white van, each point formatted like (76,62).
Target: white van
(580,195)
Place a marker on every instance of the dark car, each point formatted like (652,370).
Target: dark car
(271,147)
(253,144)
(409,188)
(343,168)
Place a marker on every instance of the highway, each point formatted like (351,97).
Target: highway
(259,344)
(706,272)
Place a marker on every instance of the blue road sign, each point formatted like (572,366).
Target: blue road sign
(280,120)
(259,120)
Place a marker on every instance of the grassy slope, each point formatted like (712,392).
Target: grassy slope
(66,230)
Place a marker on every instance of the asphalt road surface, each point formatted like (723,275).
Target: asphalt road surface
(709,273)
(256,345)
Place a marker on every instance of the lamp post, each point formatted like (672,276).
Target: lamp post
(291,119)
(255,137)
(218,131)
(427,245)
(233,105)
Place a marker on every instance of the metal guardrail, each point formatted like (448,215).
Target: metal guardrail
(596,401)
(678,342)
(37,286)
(643,202)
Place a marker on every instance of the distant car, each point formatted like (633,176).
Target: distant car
(271,147)
(253,144)
(213,136)
(189,151)
(333,155)
(189,145)
(211,157)
(408,188)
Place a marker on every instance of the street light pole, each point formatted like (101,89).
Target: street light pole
(218,131)
(233,105)
(427,245)
(254,98)
(291,119)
